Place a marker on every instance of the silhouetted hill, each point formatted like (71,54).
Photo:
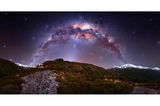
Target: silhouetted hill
(66,77)
(8,68)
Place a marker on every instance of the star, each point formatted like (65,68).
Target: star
(133,32)
(81,17)
(5,14)
(158,42)
(33,38)
(47,26)
(143,54)
(4,46)
(101,57)
(74,46)
(150,19)
(25,19)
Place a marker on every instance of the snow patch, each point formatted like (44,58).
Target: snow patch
(135,66)
(22,65)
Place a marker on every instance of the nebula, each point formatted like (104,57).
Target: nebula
(79,41)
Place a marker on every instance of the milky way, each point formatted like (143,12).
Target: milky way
(82,42)
(105,39)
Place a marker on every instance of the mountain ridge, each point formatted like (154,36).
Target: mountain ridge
(76,78)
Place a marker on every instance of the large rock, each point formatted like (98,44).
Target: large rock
(40,83)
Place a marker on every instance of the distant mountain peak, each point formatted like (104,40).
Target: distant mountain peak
(136,66)
(22,65)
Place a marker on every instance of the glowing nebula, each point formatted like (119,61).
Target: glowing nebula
(81,41)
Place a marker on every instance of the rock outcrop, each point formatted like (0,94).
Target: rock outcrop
(40,83)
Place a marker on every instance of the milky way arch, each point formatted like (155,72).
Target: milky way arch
(75,34)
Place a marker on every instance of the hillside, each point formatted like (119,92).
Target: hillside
(8,68)
(64,77)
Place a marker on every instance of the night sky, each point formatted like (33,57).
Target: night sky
(105,39)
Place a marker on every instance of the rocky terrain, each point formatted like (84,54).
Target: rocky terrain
(43,82)
(64,77)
